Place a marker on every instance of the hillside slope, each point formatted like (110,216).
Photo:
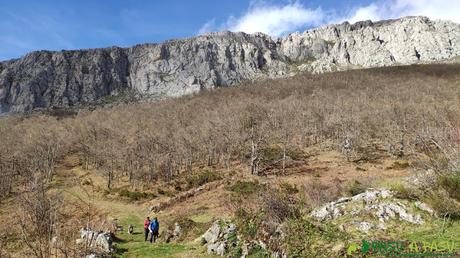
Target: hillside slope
(45,79)
(263,157)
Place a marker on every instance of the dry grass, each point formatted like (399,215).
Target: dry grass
(396,106)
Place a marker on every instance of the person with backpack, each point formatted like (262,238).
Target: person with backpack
(154,230)
(146,228)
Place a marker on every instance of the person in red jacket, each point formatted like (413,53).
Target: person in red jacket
(146,228)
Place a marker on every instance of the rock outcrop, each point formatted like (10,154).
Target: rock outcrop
(380,206)
(46,79)
(173,234)
(220,237)
(98,241)
(405,41)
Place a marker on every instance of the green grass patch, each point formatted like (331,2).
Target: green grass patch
(307,238)
(202,178)
(135,195)
(202,218)
(145,249)
(246,187)
(135,246)
(435,230)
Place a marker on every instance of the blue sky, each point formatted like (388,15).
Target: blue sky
(27,25)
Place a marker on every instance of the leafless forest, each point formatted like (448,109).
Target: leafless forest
(405,109)
(409,111)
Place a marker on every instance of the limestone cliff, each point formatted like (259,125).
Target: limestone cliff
(45,79)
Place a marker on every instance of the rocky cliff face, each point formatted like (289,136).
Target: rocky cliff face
(404,41)
(60,79)
(46,79)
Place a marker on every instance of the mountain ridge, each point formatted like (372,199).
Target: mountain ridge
(46,79)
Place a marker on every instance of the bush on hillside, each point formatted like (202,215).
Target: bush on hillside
(403,191)
(288,188)
(440,201)
(399,165)
(245,188)
(451,183)
(306,238)
(264,213)
(355,187)
(202,178)
(135,195)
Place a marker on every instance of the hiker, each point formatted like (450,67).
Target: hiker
(146,228)
(154,229)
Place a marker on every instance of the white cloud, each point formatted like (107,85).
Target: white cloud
(278,20)
(370,12)
(207,27)
(274,20)
(388,9)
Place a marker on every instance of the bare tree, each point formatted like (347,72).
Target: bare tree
(37,218)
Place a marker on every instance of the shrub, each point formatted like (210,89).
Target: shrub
(249,222)
(402,191)
(236,251)
(269,209)
(272,153)
(165,192)
(288,188)
(87,181)
(161,191)
(135,196)
(187,225)
(355,187)
(451,183)
(275,153)
(202,178)
(189,229)
(308,239)
(278,206)
(296,154)
(399,165)
(444,196)
(444,206)
(258,251)
(246,187)
(178,187)
(316,193)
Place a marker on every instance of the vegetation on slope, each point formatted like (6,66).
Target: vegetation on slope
(401,112)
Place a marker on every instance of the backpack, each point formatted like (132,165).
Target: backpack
(154,226)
